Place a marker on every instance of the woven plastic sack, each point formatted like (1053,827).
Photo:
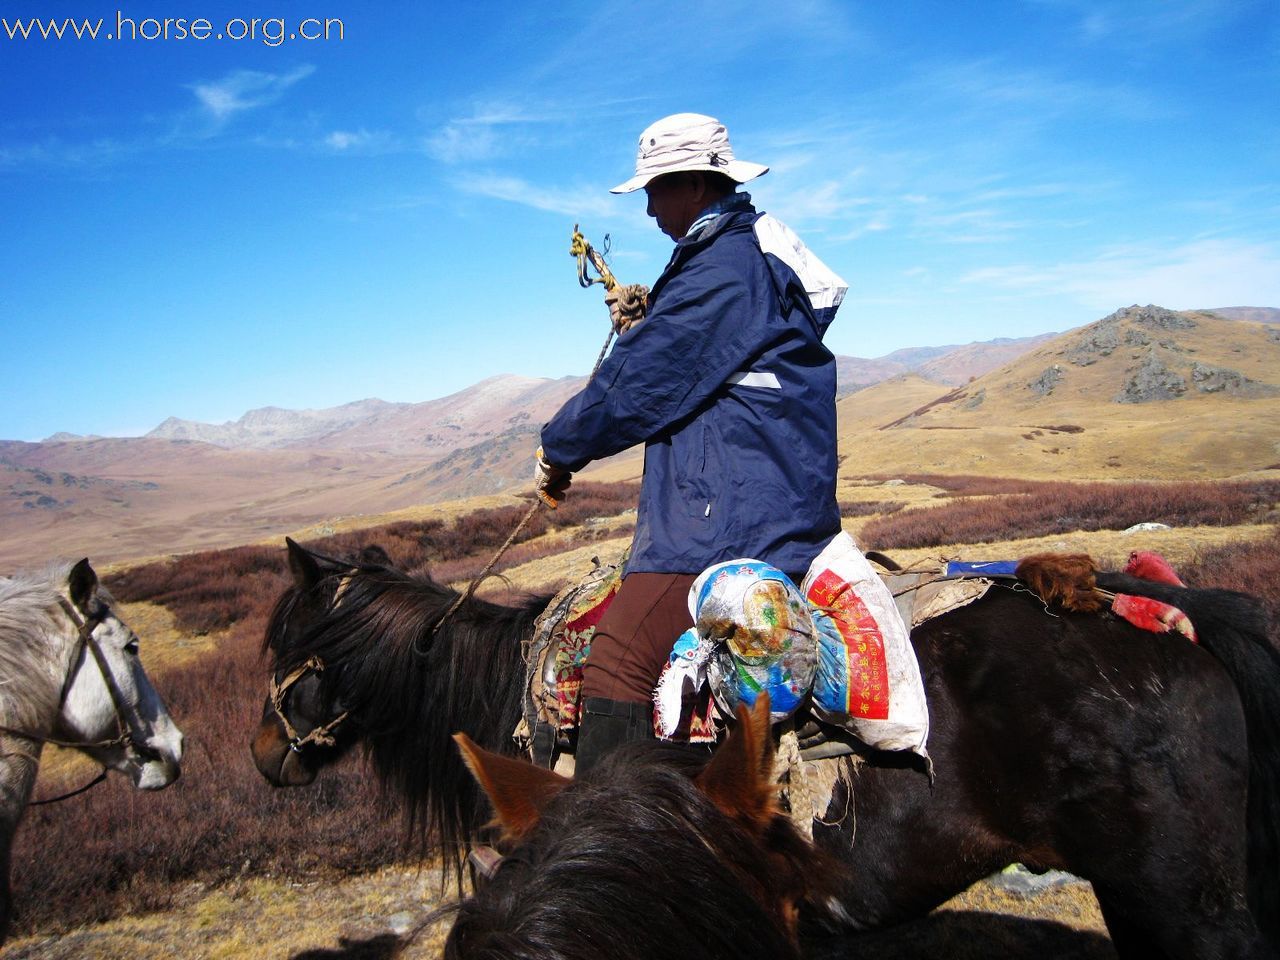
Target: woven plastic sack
(868,680)
(764,635)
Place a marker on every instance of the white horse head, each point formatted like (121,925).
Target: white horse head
(70,674)
(109,703)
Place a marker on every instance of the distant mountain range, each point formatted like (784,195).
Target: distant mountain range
(1255,314)
(505,404)
(954,365)
(1144,392)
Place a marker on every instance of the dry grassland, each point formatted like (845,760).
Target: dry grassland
(375,916)
(368,915)
(267,919)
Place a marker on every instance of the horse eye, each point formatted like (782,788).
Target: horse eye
(132,647)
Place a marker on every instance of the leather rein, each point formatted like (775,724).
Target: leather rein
(126,736)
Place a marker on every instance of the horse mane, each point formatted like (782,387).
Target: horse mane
(635,861)
(409,688)
(31,651)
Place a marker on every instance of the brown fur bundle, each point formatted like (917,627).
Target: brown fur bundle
(1066,579)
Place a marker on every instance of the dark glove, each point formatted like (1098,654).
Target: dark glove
(549,482)
(627,305)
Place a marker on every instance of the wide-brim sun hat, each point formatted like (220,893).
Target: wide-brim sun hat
(687,141)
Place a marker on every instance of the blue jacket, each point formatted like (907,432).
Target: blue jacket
(728,384)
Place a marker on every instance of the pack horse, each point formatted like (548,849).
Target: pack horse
(70,675)
(1144,763)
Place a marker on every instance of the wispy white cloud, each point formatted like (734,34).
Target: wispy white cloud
(55,152)
(1205,273)
(492,129)
(457,142)
(993,87)
(360,141)
(1146,24)
(571,202)
(243,90)
(217,101)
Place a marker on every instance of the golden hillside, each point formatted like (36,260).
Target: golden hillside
(1142,393)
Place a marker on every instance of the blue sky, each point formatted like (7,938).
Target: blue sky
(200,227)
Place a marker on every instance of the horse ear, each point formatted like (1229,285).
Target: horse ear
(739,779)
(518,790)
(374,556)
(306,572)
(81,584)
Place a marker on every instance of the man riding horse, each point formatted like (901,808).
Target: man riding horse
(722,373)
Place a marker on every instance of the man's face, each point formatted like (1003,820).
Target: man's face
(675,200)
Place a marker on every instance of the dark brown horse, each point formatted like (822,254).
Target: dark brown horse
(726,874)
(1148,765)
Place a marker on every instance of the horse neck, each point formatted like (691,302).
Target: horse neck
(487,667)
(37,643)
(462,674)
(34,665)
(467,675)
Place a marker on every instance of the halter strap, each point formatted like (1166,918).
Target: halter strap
(321,736)
(126,736)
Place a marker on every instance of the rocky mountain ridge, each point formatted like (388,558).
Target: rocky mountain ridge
(501,404)
(1145,392)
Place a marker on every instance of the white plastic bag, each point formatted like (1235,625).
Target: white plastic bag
(868,679)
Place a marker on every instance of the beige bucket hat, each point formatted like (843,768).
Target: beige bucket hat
(687,141)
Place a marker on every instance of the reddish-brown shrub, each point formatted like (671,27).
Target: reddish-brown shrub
(214,589)
(1064,507)
(114,850)
(1062,428)
(1252,567)
(865,508)
(210,590)
(969,485)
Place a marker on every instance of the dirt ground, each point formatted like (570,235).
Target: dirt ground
(375,916)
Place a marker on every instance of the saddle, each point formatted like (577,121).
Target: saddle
(561,641)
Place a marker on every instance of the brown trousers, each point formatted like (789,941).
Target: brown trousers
(634,638)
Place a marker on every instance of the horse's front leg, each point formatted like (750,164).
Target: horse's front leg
(6,899)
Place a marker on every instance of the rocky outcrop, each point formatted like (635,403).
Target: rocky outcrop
(1211,379)
(1043,385)
(1157,318)
(1099,340)
(1152,379)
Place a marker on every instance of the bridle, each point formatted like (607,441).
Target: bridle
(126,736)
(321,736)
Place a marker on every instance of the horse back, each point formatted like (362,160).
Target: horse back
(1056,738)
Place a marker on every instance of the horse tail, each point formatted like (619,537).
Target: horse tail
(1233,627)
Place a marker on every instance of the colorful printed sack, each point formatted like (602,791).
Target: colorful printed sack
(868,680)
(752,631)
